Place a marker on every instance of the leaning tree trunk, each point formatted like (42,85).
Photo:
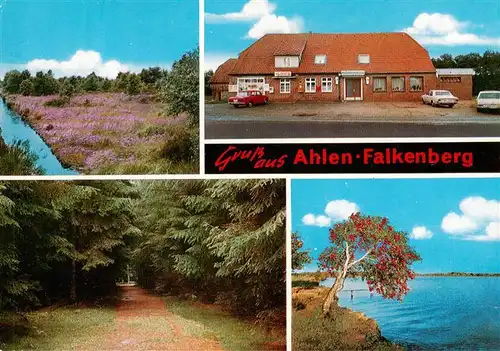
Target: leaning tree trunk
(332,297)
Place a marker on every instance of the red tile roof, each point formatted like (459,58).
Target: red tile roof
(389,53)
(221,75)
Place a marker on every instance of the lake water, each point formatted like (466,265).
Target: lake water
(13,128)
(452,313)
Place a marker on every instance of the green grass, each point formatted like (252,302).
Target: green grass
(345,330)
(231,332)
(65,329)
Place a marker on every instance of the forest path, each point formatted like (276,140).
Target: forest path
(143,322)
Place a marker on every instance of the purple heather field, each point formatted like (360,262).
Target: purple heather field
(97,132)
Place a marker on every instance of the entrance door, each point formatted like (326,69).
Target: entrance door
(353,89)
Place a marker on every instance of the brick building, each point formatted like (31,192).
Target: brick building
(220,80)
(457,80)
(341,67)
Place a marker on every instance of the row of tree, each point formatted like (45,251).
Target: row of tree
(44,83)
(487,67)
(219,240)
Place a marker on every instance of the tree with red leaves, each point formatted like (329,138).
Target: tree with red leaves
(370,248)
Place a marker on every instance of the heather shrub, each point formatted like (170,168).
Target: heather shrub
(58,102)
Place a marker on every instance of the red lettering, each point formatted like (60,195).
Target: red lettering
(222,161)
(300,157)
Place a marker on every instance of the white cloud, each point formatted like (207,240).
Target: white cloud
(318,221)
(492,233)
(214,60)
(476,213)
(262,13)
(81,63)
(420,233)
(275,24)
(444,29)
(340,210)
(456,224)
(479,208)
(252,10)
(336,211)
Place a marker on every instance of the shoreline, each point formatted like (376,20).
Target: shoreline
(10,105)
(347,329)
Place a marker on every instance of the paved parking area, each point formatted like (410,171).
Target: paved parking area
(348,110)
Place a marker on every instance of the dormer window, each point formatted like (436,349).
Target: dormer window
(363,58)
(286,61)
(320,59)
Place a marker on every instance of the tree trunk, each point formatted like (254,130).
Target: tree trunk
(72,292)
(332,297)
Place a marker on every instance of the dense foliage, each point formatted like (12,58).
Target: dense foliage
(208,89)
(368,247)
(299,257)
(43,83)
(487,67)
(219,240)
(180,88)
(60,240)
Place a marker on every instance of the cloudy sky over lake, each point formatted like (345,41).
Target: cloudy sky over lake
(454,224)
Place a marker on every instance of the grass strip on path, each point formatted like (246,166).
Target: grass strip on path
(210,322)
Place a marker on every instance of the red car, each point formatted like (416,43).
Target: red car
(248,98)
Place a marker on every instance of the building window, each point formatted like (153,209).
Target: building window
(416,83)
(285,86)
(320,59)
(326,85)
(245,84)
(287,62)
(379,84)
(398,83)
(450,79)
(310,85)
(363,58)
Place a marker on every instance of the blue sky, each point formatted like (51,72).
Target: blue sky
(442,26)
(135,34)
(454,224)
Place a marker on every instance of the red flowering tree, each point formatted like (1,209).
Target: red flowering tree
(370,248)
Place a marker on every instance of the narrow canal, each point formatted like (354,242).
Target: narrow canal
(13,129)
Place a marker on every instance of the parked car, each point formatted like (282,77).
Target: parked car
(439,98)
(248,98)
(488,100)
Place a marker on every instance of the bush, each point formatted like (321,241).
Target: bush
(182,146)
(27,87)
(17,159)
(58,102)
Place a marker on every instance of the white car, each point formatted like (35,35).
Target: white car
(439,98)
(488,100)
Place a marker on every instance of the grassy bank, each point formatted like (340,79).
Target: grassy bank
(64,328)
(106,133)
(344,330)
(232,333)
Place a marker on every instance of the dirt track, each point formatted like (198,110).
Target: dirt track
(143,323)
